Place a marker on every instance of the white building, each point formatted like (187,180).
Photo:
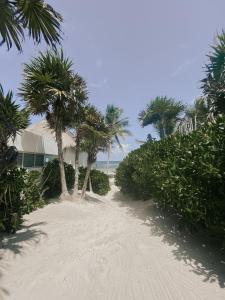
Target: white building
(37,145)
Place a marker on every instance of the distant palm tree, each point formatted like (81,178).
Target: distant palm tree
(95,138)
(48,89)
(37,17)
(117,127)
(198,113)
(162,113)
(12,120)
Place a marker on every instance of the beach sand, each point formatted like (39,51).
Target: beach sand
(106,248)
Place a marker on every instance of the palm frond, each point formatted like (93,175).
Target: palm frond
(38,17)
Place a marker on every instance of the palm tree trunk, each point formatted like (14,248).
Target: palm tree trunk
(108,158)
(64,191)
(76,179)
(87,175)
(90,184)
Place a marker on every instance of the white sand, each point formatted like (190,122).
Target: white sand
(105,249)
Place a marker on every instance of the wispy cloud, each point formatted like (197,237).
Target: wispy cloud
(183,67)
(99,84)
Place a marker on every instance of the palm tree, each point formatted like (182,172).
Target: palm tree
(117,127)
(12,120)
(37,17)
(198,113)
(48,89)
(95,137)
(78,118)
(162,113)
(214,82)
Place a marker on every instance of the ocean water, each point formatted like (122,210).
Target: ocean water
(102,166)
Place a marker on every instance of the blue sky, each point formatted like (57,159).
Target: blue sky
(131,51)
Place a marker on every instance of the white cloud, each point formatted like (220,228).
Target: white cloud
(183,67)
(99,84)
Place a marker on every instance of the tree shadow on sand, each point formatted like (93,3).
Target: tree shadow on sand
(16,245)
(195,250)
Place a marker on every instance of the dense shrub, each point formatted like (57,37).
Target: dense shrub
(32,193)
(51,178)
(99,181)
(185,173)
(20,194)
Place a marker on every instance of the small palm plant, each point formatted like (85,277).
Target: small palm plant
(117,127)
(95,138)
(37,17)
(48,88)
(163,113)
(12,120)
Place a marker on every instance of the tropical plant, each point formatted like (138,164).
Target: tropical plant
(51,183)
(182,173)
(195,116)
(214,83)
(117,127)
(49,88)
(78,118)
(95,137)
(162,113)
(12,120)
(20,193)
(37,17)
(99,181)
(51,178)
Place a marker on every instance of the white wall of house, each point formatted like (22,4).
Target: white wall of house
(38,142)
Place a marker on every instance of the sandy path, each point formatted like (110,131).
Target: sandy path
(105,250)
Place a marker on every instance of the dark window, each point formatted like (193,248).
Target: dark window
(20,159)
(39,160)
(28,160)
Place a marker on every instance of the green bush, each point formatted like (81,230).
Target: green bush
(52,185)
(99,181)
(20,193)
(11,187)
(32,193)
(51,178)
(185,173)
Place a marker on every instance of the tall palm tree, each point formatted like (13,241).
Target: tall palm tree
(117,127)
(37,17)
(95,137)
(12,120)
(162,113)
(214,83)
(48,89)
(77,119)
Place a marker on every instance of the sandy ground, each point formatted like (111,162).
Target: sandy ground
(106,248)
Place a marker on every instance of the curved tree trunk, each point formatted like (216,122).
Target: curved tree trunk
(87,175)
(64,191)
(76,179)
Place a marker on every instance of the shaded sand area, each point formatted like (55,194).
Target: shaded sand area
(107,248)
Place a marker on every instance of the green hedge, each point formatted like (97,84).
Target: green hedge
(99,181)
(185,173)
(51,179)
